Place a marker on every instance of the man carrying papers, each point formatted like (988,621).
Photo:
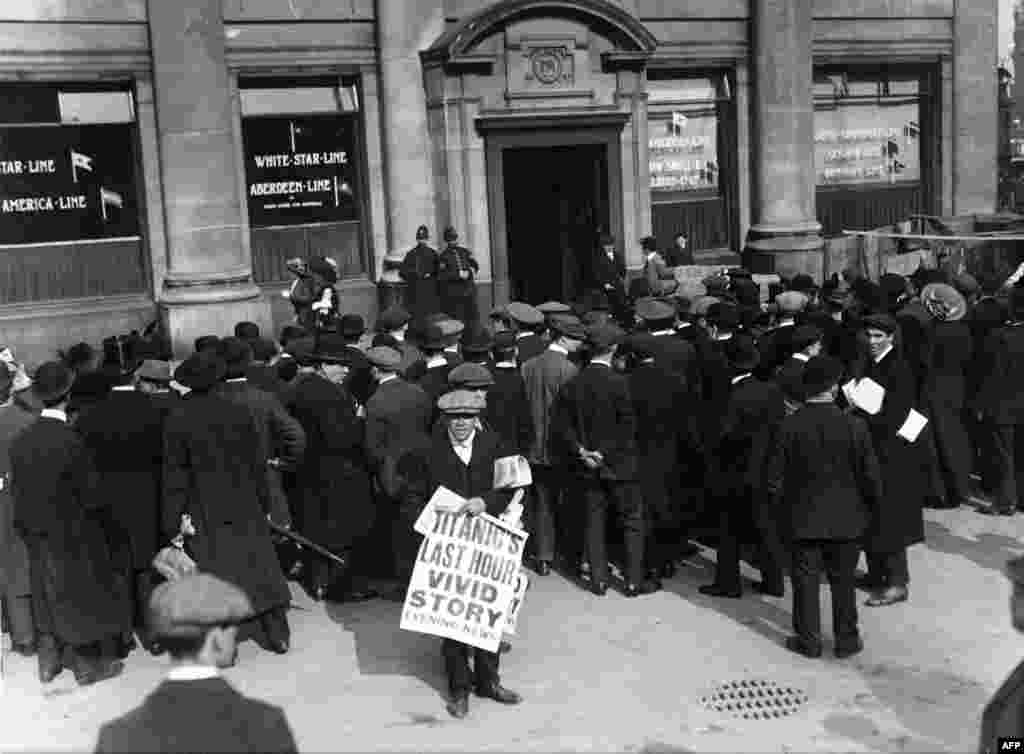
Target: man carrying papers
(898,521)
(462,460)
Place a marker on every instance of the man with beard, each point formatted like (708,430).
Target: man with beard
(898,521)
(195,709)
(215,471)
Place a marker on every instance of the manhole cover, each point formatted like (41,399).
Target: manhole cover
(755,699)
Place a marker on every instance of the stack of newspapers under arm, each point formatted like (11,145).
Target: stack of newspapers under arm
(868,396)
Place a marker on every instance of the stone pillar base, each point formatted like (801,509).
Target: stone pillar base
(785,255)
(198,312)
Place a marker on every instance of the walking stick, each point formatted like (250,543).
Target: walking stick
(301,540)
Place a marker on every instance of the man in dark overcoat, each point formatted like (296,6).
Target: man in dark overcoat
(215,471)
(608,276)
(658,319)
(944,388)
(666,431)
(529,326)
(125,433)
(194,708)
(898,522)
(456,275)
(738,453)
(827,480)
(593,430)
(335,498)
(394,322)
(508,406)
(1003,716)
(552,526)
(281,436)
(806,342)
(78,605)
(1000,405)
(434,380)
(462,460)
(15,579)
(775,345)
(419,271)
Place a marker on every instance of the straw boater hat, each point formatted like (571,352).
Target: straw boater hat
(944,302)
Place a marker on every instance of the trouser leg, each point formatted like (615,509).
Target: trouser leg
(807,564)
(630,511)
(727,562)
(541,516)
(1002,439)
(485,668)
(840,565)
(456,666)
(889,569)
(19,616)
(275,624)
(596,505)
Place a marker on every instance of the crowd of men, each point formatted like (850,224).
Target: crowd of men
(720,419)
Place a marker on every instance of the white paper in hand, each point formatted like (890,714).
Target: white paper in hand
(867,395)
(442,500)
(513,515)
(512,472)
(912,427)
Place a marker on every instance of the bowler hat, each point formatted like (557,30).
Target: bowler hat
(301,349)
(747,292)
(595,301)
(422,234)
(653,310)
(201,371)
(820,374)
(604,336)
(716,285)
(740,273)
(433,337)
(263,349)
(331,348)
(352,326)
(741,352)
(237,355)
(647,243)
(383,339)
(504,342)
(153,370)
(52,381)
(944,302)
(187,607)
(804,336)
(883,322)
(466,402)
(568,326)
(723,315)
(320,266)
(384,357)
(470,376)
(206,343)
(554,307)
(476,340)
(702,304)
(525,314)
(247,330)
(803,283)
(892,286)
(643,346)
(393,318)
(967,284)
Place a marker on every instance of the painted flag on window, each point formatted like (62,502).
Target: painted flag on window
(79,161)
(678,121)
(911,130)
(110,198)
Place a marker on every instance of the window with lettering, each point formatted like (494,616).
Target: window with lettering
(67,165)
(866,131)
(683,135)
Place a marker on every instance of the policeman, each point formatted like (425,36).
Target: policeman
(456,274)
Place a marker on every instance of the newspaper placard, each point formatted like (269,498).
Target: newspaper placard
(465,579)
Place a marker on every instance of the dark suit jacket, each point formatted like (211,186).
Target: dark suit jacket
(125,433)
(14,573)
(206,715)
(266,378)
(752,415)
(508,409)
(529,346)
(397,410)
(1001,362)
(826,472)
(607,272)
(595,411)
(434,382)
(1004,714)
(678,357)
(544,377)
(775,346)
(789,377)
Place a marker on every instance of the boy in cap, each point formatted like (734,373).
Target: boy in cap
(462,459)
(594,433)
(419,272)
(195,709)
(80,607)
(827,482)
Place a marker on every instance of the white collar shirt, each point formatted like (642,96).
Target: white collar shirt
(883,354)
(464,450)
(192,673)
(54,413)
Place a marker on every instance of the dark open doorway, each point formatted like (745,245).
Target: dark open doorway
(556,202)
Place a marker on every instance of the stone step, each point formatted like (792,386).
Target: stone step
(723,257)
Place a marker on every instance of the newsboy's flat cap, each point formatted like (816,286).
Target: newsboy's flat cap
(189,606)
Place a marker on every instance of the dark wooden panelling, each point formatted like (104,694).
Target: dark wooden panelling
(48,273)
(272,247)
(867,208)
(703,222)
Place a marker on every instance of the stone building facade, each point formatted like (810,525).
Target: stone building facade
(168,157)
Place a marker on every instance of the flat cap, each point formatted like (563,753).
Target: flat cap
(724,315)
(715,284)
(153,370)
(651,309)
(883,322)
(819,374)
(525,314)
(53,380)
(393,318)
(476,340)
(604,336)
(384,357)
(189,606)
(739,272)
(803,283)
(701,305)
(791,302)
(451,327)
(944,302)
(201,371)
(461,402)
(504,341)
(470,376)
(804,336)
(568,326)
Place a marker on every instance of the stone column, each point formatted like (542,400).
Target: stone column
(208,284)
(975,107)
(404,29)
(785,236)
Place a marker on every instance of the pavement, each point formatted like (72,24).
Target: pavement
(615,674)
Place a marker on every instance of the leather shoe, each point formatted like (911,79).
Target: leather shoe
(995,510)
(50,661)
(153,646)
(890,596)
(849,650)
(499,693)
(359,595)
(125,645)
(25,650)
(770,590)
(543,568)
(668,570)
(99,673)
(866,583)
(599,588)
(459,706)
(714,590)
(794,644)
(645,587)
(278,646)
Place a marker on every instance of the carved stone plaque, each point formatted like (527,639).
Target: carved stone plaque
(550,66)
